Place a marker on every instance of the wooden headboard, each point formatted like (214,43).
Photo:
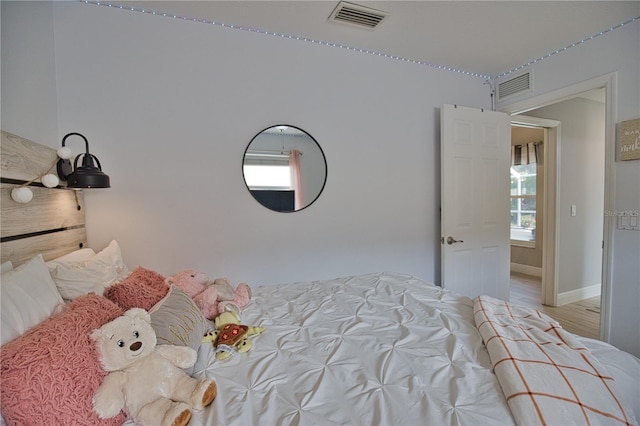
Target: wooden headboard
(53,223)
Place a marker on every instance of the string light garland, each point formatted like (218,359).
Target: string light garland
(287,36)
(22,194)
(577,43)
(357,49)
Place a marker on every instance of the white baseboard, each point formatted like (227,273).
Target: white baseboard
(579,294)
(526,269)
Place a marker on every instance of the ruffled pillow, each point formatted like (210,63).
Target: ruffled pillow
(142,289)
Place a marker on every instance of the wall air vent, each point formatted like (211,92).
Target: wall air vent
(364,17)
(519,84)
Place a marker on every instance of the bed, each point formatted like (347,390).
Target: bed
(383,348)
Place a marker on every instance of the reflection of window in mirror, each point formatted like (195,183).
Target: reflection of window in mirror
(270,184)
(284,168)
(267,176)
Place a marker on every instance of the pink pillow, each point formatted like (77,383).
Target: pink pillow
(50,373)
(142,289)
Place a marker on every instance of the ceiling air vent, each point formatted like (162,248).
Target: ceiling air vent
(364,17)
(519,84)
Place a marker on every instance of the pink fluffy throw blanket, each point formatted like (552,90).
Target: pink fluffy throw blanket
(50,374)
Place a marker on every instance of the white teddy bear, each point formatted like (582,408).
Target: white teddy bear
(146,380)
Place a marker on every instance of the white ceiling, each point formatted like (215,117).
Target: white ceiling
(485,37)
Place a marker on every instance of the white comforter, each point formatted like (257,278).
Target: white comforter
(378,349)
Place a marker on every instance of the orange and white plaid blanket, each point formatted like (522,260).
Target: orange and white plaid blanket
(547,376)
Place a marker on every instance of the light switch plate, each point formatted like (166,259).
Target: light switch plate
(628,220)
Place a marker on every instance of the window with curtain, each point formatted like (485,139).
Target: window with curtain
(274,179)
(524,159)
(270,183)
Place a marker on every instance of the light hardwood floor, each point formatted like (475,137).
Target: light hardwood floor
(582,318)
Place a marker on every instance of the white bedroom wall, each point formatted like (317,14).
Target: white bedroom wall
(619,52)
(169,107)
(29,105)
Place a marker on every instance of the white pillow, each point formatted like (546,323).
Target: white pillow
(74,257)
(91,276)
(6,267)
(28,296)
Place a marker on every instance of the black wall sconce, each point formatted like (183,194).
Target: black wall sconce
(85,176)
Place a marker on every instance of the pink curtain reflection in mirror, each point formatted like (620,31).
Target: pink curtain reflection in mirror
(296,178)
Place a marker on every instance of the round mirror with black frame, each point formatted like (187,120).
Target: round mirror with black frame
(284,168)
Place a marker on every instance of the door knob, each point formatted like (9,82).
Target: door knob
(451,240)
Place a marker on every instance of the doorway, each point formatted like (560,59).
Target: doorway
(577,310)
(572,274)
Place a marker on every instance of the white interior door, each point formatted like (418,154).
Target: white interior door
(475,149)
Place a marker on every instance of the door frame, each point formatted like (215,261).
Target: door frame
(609,83)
